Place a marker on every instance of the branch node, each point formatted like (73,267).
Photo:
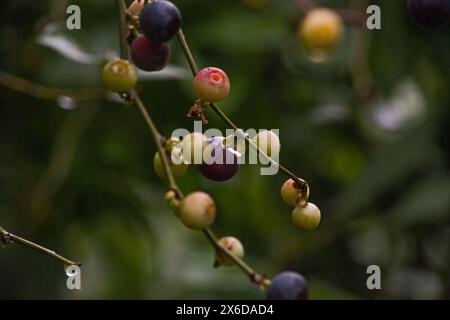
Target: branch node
(197,111)
(5,237)
(259,279)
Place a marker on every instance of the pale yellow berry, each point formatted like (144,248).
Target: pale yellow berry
(306,217)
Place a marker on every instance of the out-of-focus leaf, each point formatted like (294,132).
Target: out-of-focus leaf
(169,72)
(68,48)
(427,201)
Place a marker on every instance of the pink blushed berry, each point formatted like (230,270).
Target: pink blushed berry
(211,84)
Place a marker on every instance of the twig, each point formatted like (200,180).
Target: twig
(254,276)
(158,138)
(49,93)
(302,184)
(121,10)
(9,238)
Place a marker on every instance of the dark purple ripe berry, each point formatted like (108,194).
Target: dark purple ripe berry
(160,21)
(149,56)
(288,286)
(221,163)
(430,13)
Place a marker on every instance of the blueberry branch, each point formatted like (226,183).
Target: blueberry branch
(302,184)
(133,97)
(7,238)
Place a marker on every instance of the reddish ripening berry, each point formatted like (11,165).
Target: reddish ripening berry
(430,13)
(268,142)
(306,217)
(220,163)
(178,170)
(320,32)
(290,193)
(211,84)
(197,211)
(119,75)
(232,245)
(149,56)
(160,21)
(288,285)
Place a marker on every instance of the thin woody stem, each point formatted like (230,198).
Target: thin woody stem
(214,241)
(302,184)
(121,9)
(254,276)
(49,93)
(158,140)
(9,238)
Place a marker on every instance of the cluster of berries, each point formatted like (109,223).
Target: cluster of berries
(158,22)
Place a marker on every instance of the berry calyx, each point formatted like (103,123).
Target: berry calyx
(178,170)
(160,21)
(320,32)
(429,13)
(268,142)
(306,217)
(148,55)
(232,245)
(197,210)
(288,285)
(290,193)
(119,75)
(192,147)
(211,84)
(220,164)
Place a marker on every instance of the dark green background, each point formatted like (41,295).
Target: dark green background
(378,168)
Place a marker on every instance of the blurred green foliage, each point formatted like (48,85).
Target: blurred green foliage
(81,181)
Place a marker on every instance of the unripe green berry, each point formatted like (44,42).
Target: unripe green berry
(119,75)
(290,193)
(192,147)
(211,84)
(306,217)
(232,245)
(198,210)
(268,142)
(178,170)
